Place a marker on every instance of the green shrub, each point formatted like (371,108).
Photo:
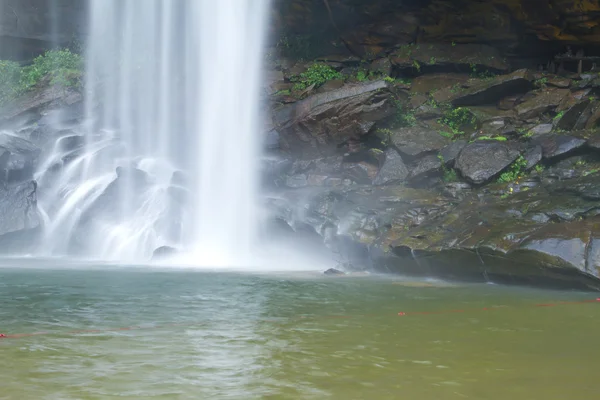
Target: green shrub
(403,117)
(63,67)
(514,171)
(317,74)
(10,75)
(456,119)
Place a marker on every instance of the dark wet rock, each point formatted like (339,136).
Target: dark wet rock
(416,141)
(588,188)
(274,170)
(333,271)
(18,158)
(576,116)
(272,81)
(18,207)
(541,129)
(393,169)
(594,142)
(492,90)
(425,167)
(450,152)
(542,236)
(542,102)
(431,83)
(427,111)
(436,56)
(533,155)
(593,259)
(296,181)
(382,66)
(562,83)
(130,180)
(481,161)
(558,145)
(164,252)
(29,106)
(594,117)
(317,124)
(329,86)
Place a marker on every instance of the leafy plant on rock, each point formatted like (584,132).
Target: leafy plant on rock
(62,67)
(514,171)
(10,74)
(317,74)
(404,117)
(456,119)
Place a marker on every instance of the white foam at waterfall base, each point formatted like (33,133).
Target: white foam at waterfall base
(171,135)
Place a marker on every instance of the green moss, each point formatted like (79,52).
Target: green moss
(540,83)
(497,138)
(514,171)
(539,168)
(317,74)
(417,65)
(558,116)
(449,173)
(456,119)
(404,117)
(10,73)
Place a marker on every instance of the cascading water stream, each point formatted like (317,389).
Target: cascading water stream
(169,152)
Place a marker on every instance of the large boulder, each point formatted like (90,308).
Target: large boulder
(18,207)
(481,161)
(417,141)
(554,146)
(316,125)
(542,102)
(393,169)
(18,159)
(443,55)
(488,91)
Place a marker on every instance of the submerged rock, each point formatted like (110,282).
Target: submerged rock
(164,252)
(333,271)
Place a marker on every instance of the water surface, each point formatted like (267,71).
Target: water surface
(226,335)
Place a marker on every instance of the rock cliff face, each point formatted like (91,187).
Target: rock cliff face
(28,27)
(454,139)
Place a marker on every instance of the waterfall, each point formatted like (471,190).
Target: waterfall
(169,151)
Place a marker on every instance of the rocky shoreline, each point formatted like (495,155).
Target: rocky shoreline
(480,176)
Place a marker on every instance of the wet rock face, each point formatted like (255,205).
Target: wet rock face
(441,56)
(558,145)
(18,207)
(418,141)
(393,169)
(479,162)
(493,90)
(316,125)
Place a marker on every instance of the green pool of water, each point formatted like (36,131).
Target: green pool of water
(219,335)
